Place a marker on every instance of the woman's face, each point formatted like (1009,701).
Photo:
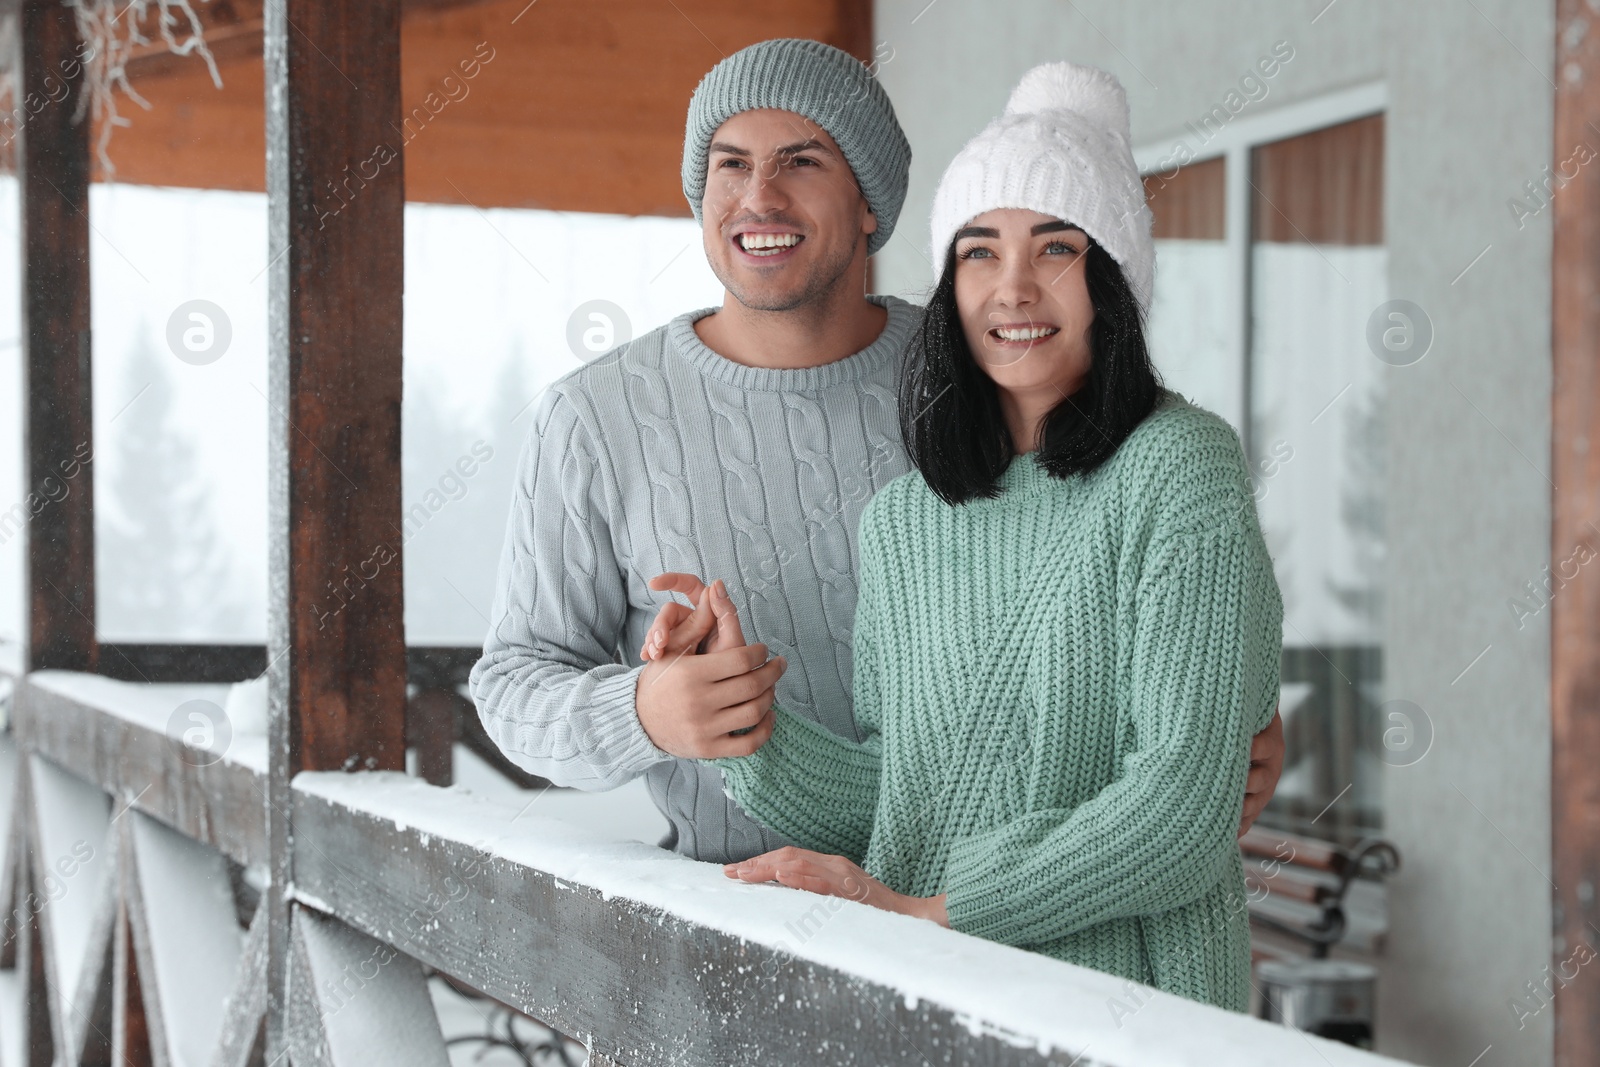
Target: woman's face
(1023,302)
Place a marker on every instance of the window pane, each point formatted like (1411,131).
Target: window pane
(1318,269)
(180,379)
(494,303)
(181,430)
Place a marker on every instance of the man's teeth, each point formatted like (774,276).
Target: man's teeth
(767,244)
(1024,333)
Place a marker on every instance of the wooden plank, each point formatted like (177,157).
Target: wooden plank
(428,666)
(629,981)
(335,216)
(74,878)
(53,171)
(431,716)
(186,937)
(649,958)
(337,641)
(242,1042)
(130,1036)
(357,1001)
(115,736)
(39,1044)
(13,1028)
(182,663)
(639,983)
(1575,515)
(11,841)
(852,28)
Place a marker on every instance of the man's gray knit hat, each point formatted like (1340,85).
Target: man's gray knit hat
(828,86)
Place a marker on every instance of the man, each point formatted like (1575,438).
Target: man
(738,443)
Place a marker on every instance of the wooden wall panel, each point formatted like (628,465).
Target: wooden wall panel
(1189,203)
(1325,187)
(580,108)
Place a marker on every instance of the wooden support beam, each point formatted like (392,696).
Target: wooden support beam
(1575,516)
(130,1037)
(39,1043)
(431,730)
(336,200)
(53,168)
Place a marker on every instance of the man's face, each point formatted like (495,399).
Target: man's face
(783,218)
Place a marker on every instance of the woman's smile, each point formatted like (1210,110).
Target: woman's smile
(1022,335)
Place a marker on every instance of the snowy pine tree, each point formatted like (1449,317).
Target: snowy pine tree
(165,570)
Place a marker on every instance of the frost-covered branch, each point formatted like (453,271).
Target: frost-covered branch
(117,31)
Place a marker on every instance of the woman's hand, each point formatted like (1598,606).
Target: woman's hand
(711,626)
(833,876)
(1266,765)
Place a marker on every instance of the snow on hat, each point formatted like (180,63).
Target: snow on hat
(828,86)
(1062,147)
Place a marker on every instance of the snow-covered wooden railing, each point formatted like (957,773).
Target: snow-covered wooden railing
(645,956)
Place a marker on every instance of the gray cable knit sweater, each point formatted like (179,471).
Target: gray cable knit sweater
(665,456)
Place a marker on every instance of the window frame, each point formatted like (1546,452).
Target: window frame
(1234,143)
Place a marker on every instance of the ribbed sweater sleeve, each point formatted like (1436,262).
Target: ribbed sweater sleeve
(1206,643)
(816,788)
(548,688)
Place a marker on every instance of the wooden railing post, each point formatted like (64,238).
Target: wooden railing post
(336,192)
(1575,518)
(52,153)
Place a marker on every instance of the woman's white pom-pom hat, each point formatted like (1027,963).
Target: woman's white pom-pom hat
(1062,147)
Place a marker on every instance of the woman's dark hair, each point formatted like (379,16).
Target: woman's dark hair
(950,418)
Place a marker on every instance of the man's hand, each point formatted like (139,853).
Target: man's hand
(1266,765)
(833,876)
(691,704)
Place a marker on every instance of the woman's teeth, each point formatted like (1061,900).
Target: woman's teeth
(767,244)
(1024,333)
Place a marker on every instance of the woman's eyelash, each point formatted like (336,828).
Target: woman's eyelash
(967,253)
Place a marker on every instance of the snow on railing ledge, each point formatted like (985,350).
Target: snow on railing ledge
(120,736)
(650,957)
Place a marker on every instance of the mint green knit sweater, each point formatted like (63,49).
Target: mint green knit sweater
(1056,690)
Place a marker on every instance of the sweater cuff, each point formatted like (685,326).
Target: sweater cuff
(744,768)
(971,902)
(615,728)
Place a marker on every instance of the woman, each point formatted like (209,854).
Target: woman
(1068,628)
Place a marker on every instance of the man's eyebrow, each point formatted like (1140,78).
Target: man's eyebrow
(812,145)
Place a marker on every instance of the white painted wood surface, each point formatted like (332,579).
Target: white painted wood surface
(187,935)
(371,1002)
